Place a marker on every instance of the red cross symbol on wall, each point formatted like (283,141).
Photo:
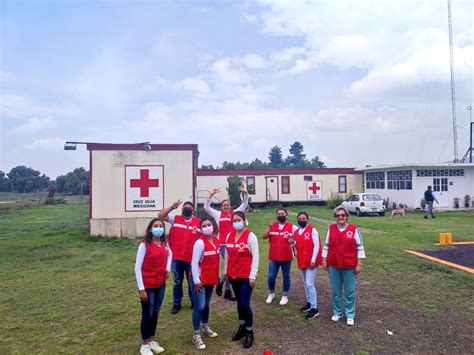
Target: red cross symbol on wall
(314,188)
(144,183)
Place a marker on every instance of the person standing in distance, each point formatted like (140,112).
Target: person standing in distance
(280,253)
(223,219)
(152,268)
(183,233)
(429,199)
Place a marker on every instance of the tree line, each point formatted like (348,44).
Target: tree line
(24,179)
(295,160)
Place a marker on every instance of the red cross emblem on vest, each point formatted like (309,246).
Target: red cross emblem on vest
(349,234)
(307,236)
(314,188)
(144,183)
(241,246)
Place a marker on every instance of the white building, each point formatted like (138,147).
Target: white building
(282,185)
(407,183)
(130,183)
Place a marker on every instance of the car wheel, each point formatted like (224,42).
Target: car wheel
(358,212)
(381,214)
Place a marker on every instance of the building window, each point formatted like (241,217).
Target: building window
(250,182)
(399,180)
(308,178)
(342,182)
(444,184)
(285,184)
(439,172)
(375,180)
(436,184)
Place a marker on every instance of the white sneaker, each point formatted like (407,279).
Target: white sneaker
(350,321)
(284,300)
(198,342)
(146,350)
(270,298)
(336,318)
(208,331)
(155,347)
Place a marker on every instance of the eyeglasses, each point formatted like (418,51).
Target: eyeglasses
(341,215)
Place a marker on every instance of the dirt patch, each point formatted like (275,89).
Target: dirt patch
(458,254)
(413,331)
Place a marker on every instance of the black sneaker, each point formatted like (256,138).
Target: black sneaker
(175,309)
(426,217)
(240,333)
(219,289)
(248,341)
(313,313)
(306,307)
(228,295)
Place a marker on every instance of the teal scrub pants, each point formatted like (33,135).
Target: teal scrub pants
(343,278)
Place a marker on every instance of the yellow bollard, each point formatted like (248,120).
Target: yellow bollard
(449,238)
(442,238)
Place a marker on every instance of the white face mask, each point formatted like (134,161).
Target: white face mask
(207,230)
(238,225)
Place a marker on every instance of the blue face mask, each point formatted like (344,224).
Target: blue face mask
(157,231)
(238,225)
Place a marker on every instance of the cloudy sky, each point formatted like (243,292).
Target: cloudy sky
(356,82)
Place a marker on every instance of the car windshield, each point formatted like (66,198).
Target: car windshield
(371,197)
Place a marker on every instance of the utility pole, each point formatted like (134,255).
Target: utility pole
(453,90)
(469,108)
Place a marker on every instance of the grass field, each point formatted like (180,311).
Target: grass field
(63,291)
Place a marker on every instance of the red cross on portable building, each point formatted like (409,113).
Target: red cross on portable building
(144,183)
(314,188)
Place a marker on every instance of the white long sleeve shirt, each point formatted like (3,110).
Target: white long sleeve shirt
(198,254)
(139,263)
(253,246)
(216,215)
(357,237)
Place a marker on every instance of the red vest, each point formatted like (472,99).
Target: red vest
(280,249)
(240,259)
(182,237)
(210,262)
(342,252)
(154,265)
(225,226)
(304,248)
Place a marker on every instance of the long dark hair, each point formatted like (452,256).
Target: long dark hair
(149,235)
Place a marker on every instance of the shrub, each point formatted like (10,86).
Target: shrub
(334,200)
(235,182)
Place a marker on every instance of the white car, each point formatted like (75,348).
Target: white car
(363,203)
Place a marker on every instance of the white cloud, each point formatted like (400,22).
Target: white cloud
(34,124)
(286,55)
(253,61)
(197,85)
(47,144)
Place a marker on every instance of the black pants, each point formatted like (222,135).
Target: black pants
(243,293)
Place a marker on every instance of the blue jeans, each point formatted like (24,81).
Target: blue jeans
(222,277)
(309,276)
(243,293)
(178,269)
(201,307)
(343,278)
(273,267)
(150,311)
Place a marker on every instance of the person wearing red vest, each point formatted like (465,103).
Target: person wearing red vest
(342,254)
(241,267)
(152,267)
(308,253)
(205,272)
(223,220)
(183,233)
(280,254)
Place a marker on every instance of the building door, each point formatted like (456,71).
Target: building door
(272,188)
(440,189)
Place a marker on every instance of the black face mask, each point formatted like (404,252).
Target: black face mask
(302,224)
(187,211)
(281,219)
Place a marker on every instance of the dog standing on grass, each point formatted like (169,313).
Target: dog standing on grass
(399,211)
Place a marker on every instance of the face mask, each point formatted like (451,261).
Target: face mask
(207,230)
(157,231)
(238,225)
(187,211)
(281,219)
(302,224)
